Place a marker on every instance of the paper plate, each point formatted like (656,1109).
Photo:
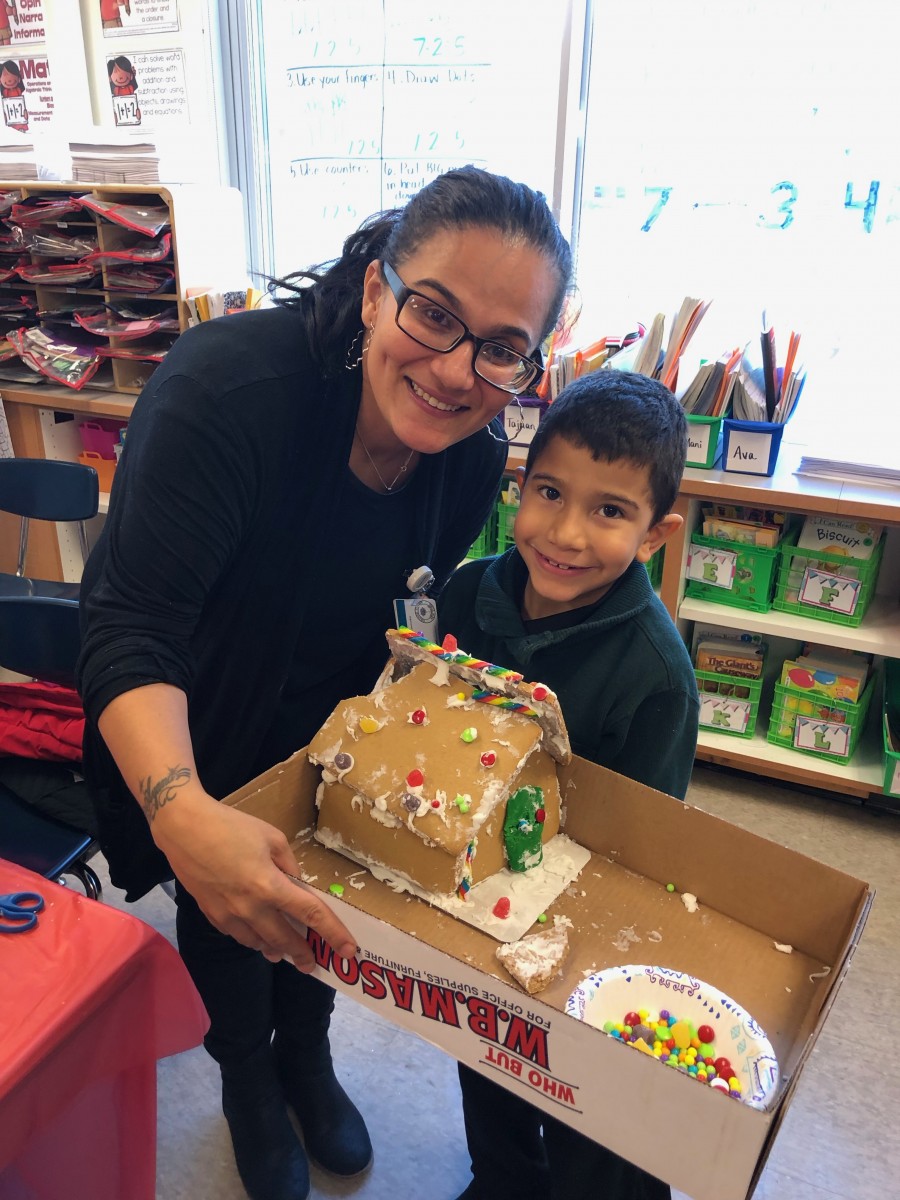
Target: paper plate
(610,994)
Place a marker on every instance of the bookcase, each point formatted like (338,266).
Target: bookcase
(862,778)
(207,251)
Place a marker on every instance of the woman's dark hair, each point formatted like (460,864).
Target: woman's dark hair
(465,198)
(13,68)
(124,64)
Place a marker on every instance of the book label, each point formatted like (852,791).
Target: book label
(822,736)
(715,567)
(731,715)
(835,592)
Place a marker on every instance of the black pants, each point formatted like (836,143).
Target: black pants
(513,1160)
(247,997)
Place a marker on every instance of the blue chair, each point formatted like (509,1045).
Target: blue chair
(47,490)
(39,637)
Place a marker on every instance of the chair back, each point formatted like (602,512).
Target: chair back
(40,637)
(48,489)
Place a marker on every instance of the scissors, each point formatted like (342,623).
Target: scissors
(19,910)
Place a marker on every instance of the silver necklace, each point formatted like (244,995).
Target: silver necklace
(388,487)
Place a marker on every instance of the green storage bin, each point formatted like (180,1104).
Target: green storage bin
(818,733)
(731,573)
(506,519)
(728,703)
(486,542)
(654,566)
(855,579)
(704,441)
(891,709)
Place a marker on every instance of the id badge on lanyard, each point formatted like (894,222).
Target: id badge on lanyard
(419,611)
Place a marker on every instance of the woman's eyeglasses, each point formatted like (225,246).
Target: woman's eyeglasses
(432,325)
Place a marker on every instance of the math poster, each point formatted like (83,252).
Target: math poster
(148,88)
(21,22)
(26,91)
(124,18)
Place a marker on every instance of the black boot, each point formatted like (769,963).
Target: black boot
(334,1131)
(270,1159)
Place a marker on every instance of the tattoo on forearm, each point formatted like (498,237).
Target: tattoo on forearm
(155,795)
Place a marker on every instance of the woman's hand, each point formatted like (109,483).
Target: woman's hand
(237,868)
(234,865)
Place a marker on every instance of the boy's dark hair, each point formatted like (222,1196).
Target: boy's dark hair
(465,198)
(620,416)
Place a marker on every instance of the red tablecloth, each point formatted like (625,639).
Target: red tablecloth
(89,1000)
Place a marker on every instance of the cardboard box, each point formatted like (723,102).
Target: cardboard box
(439,978)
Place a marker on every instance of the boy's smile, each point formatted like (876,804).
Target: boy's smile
(581,523)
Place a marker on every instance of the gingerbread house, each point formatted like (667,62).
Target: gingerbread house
(446,773)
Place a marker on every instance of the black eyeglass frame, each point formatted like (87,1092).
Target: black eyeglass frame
(402,293)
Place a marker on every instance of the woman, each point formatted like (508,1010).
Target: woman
(285,471)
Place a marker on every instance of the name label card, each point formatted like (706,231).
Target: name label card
(749,452)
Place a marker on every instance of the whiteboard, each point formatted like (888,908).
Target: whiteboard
(366,101)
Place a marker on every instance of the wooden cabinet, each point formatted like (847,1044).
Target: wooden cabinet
(878,634)
(207,251)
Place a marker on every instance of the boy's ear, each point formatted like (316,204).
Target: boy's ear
(519,473)
(658,534)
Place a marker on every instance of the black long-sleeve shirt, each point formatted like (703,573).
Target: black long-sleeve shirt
(232,509)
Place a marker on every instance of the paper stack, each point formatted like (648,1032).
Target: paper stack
(115,156)
(18,160)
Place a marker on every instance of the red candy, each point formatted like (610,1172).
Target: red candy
(418,717)
(415,778)
(450,644)
(723,1067)
(539,692)
(435,804)
(632,1019)
(501,908)
(540,816)
(706,1034)
(488,758)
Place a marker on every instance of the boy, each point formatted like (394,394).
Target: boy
(571,605)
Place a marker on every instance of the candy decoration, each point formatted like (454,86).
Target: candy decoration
(501,908)
(450,643)
(484,697)
(488,759)
(410,802)
(521,832)
(670,887)
(415,778)
(343,761)
(435,804)
(418,717)
(540,816)
(336,889)
(539,692)
(369,724)
(457,656)
(542,919)
(469,734)
(706,1034)
(460,695)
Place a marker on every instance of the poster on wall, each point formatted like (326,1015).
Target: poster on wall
(26,92)
(21,22)
(135,17)
(148,88)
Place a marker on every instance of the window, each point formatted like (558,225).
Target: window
(741,152)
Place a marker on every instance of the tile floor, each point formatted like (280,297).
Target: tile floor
(838,1140)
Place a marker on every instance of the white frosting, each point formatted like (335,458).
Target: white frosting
(441,677)
(689,901)
(455,702)
(356,802)
(320,792)
(384,818)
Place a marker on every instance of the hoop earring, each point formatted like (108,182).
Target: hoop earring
(351,363)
